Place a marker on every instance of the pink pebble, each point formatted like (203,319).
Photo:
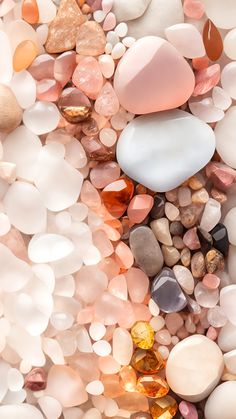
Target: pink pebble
(188,410)
(107,5)
(211,281)
(141,312)
(138,284)
(124,256)
(194,9)
(109,22)
(48,90)
(64,67)
(102,243)
(88,77)
(107,103)
(221,175)
(139,207)
(42,67)
(85,316)
(6,6)
(206,79)
(212,333)
(104,173)
(94,4)
(191,239)
(127,317)
(118,287)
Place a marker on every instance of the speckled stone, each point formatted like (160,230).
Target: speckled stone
(198,265)
(214,261)
(171,255)
(190,215)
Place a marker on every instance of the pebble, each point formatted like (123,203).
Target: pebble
(186,38)
(211,281)
(107,65)
(221,402)
(118,50)
(10,110)
(158,209)
(228,79)
(107,103)
(139,207)
(41,117)
(211,215)
(161,230)
(162,172)
(227,296)
(198,265)
(206,297)
(193,9)
(212,41)
(121,29)
(197,357)
(171,255)
(230,361)
(147,98)
(24,87)
(227,337)
(188,410)
(6,66)
(191,239)
(184,278)
(90,40)
(214,261)
(44,248)
(223,16)
(15,411)
(125,11)
(185,257)
(229,44)
(92,83)
(221,98)
(225,141)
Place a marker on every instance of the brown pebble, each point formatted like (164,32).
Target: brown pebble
(190,215)
(214,261)
(185,257)
(172,196)
(196,182)
(198,267)
(170,254)
(200,197)
(36,380)
(176,228)
(178,242)
(219,196)
(10,110)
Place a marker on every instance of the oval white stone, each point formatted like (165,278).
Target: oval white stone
(227,337)
(162,150)
(24,87)
(229,223)
(194,367)
(222,13)
(230,361)
(228,77)
(45,248)
(227,302)
(20,411)
(187,39)
(122,346)
(222,402)
(230,44)
(225,137)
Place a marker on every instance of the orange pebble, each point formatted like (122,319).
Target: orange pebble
(30,11)
(200,63)
(24,55)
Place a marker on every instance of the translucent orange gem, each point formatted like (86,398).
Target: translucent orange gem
(117,195)
(30,11)
(147,361)
(164,408)
(128,378)
(212,41)
(142,334)
(152,386)
(24,55)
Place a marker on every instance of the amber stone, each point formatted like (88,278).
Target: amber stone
(152,386)
(30,11)
(147,361)
(212,41)
(164,408)
(142,334)
(95,150)
(214,261)
(117,196)
(74,105)
(24,55)
(36,380)
(128,378)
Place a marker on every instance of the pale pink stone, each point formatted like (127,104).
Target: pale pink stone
(124,256)
(104,173)
(15,242)
(187,39)
(97,283)
(163,337)
(138,284)
(191,239)
(118,287)
(122,346)
(173,322)
(153,76)
(206,79)
(188,410)
(141,312)
(107,5)
(85,316)
(88,77)
(90,196)
(109,22)
(94,4)
(184,196)
(127,317)
(221,175)
(194,8)
(42,67)
(139,207)
(64,67)
(61,377)
(108,365)
(212,333)
(86,364)
(107,103)
(206,111)
(6,6)
(211,281)
(48,90)
(109,267)
(107,65)
(108,309)
(102,243)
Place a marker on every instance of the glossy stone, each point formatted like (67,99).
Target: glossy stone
(117,196)
(165,407)
(186,38)
(198,265)
(152,386)
(222,14)
(88,77)
(163,286)
(161,230)
(142,334)
(205,239)
(10,110)
(24,55)
(74,105)
(212,41)
(148,258)
(158,209)
(220,238)
(206,79)
(147,361)
(30,11)
(36,380)
(139,207)
(222,402)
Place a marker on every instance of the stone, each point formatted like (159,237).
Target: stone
(24,410)
(133,402)
(140,415)
(205,109)
(124,11)
(142,334)
(6,71)
(36,380)
(47,11)
(221,98)
(220,234)
(223,16)
(229,44)
(107,103)
(158,209)
(198,265)
(184,278)
(166,406)
(42,67)
(122,346)
(88,77)
(206,79)
(30,11)
(90,40)
(191,239)
(214,261)
(148,99)
(227,337)
(152,386)
(211,215)
(199,356)
(171,255)
(164,285)
(148,258)
(64,67)
(147,361)
(228,79)
(24,55)
(188,410)
(186,38)
(222,176)
(212,41)
(11,113)
(211,281)
(24,87)
(109,22)
(141,158)
(42,117)
(230,361)
(227,296)
(44,248)
(161,230)
(117,195)
(95,150)
(221,402)
(104,173)
(193,9)
(74,105)
(225,141)
(205,296)
(138,284)
(63,30)
(176,228)
(139,207)
(48,90)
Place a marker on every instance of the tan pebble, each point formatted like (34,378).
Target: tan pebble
(196,182)
(219,196)
(172,195)
(178,242)
(228,377)
(214,261)
(198,267)
(10,110)
(171,211)
(185,257)
(91,39)
(200,197)
(161,230)
(191,214)
(171,255)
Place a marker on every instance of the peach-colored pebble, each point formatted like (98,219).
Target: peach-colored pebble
(124,255)
(194,9)
(103,244)
(138,284)
(108,365)
(141,312)
(85,316)
(212,333)
(127,317)
(200,63)
(118,287)
(139,207)
(211,281)
(109,22)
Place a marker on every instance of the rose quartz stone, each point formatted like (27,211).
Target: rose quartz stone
(211,281)
(188,410)
(193,9)
(206,79)
(139,207)
(152,76)
(48,90)
(88,77)
(107,103)
(64,67)
(138,284)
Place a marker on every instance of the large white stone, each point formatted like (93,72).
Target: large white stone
(20,411)
(162,150)
(187,39)
(126,10)
(122,346)
(14,272)
(230,44)
(24,87)
(229,223)
(232,263)
(222,13)
(194,367)
(230,361)
(222,402)
(225,137)
(227,338)
(228,77)
(45,248)
(227,302)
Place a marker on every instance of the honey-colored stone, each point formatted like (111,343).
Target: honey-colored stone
(63,30)
(185,257)
(24,55)
(128,378)
(74,105)
(164,408)
(117,196)
(212,41)
(91,39)
(142,334)
(30,11)
(152,386)
(147,361)
(214,261)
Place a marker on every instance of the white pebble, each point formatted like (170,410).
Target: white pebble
(44,248)
(92,414)
(24,87)
(42,117)
(111,408)
(108,136)
(153,308)
(118,51)
(5,224)
(221,98)
(211,215)
(128,41)
(157,323)
(15,379)
(108,48)
(112,38)
(164,351)
(62,321)
(78,211)
(97,330)
(99,15)
(102,348)
(121,29)
(51,407)
(95,388)
(107,65)
(228,79)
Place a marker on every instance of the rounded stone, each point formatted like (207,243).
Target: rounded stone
(125,11)
(230,44)
(17,411)
(225,138)
(222,402)
(222,14)
(227,337)
(143,149)
(227,302)
(187,39)
(142,83)
(11,113)
(194,367)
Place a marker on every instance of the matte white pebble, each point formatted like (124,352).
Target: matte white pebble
(83,341)
(44,248)
(222,14)
(227,337)
(225,138)
(26,346)
(107,65)
(6,68)
(95,387)
(5,224)
(122,346)
(228,79)
(111,408)
(18,411)
(47,10)
(75,154)
(50,407)
(97,330)
(211,215)
(42,117)
(229,44)
(186,39)
(127,11)
(92,414)
(99,15)
(227,302)
(206,110)
(143,149)
(128,41)
(118,51)
(112,38)
(221,98)
(24,87)
(121,29)
(102,348)
(15,379)
(222,402)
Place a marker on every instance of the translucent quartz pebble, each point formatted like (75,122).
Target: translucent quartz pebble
(222,402)
(206,111)
(184,278)
(228,79)
(22,148)
(221,98)
(137,283)
(50,407)
(97,279)
(42,117)
(44,248)
(206,297)
(47,10)
(188,410)
(225,140)
(42,67)
(75,154)
(205,366)
(13,268)
(227,298)
(15,379)
(24,87)
(26,346)
(6,59)
(222,15)
(124,11)
(92,414)
(88,77)
(206,79)
(24,55)
(24,207)
(11,111)
(58,182)
(64,66)
(74,105)
(30,11)
(187,39)
(61,377)
(42,33)
(17,411)
(229,44)
(6,7)
(108,309)
(107,103)
(48,90)
(104,173)
(212,41)
(211,215)
(122,346)
(216,317)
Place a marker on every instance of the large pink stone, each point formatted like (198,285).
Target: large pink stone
(153,76)
(88,77)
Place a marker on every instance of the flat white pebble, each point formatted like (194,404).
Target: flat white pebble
(97,330)
(99,15)
(102,348)
(45,248)
(121,29)
(95,388)
(15,379)
(222,402)
(118,51)
(42,117)
(24,87)
(128,41)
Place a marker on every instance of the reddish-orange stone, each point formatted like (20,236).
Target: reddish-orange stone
(152,386)
(212,41)
(117,196)
(30,11)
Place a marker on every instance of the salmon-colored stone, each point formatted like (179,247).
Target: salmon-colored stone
(30,11)
(91,39)
(212,41)
(139,207)
(206,79)
(24,55)
(117,195)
